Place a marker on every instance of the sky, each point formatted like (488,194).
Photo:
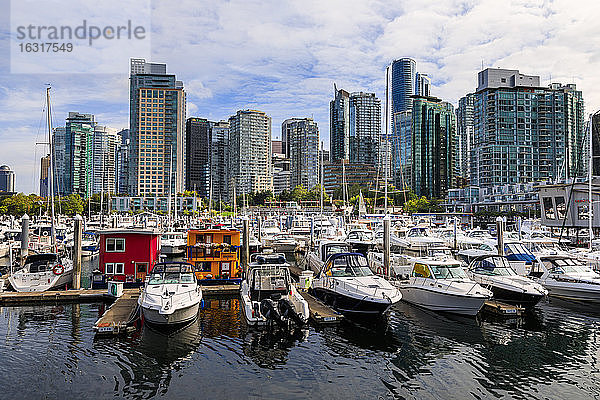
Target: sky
(283,57)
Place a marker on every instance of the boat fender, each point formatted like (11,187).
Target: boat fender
(58,269)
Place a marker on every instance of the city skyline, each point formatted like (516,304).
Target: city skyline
(286,64)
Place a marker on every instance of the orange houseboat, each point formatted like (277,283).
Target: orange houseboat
(216,255)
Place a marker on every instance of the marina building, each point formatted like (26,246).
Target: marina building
(157,128)
(334,175)
(250,167)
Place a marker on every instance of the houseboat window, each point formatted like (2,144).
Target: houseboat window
(583,212)
(141,267)
(119,268)
(561,208)
(109,268)
(203,266)
(549,208)
(115,245)
(225,266)
(199,238)
(227,239)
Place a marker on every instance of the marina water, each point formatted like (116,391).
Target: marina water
(51,352)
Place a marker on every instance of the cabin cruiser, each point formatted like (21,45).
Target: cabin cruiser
(496,272)
(300,226)
(441,285)
(315,260)
(171,295)
(361,241)
(421,242)
(268,294)
(42,272)
(568,278)
(284,243)
(89,244)
(347,284)
(173,243)
(396,243)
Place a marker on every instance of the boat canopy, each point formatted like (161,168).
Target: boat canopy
(492,265)
(347,265)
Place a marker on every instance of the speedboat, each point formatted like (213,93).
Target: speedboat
(42,272)
(284,243)
(442,285)
(346,283)
(568,278)
(171,295)
(315,260)
(497,273)
(361,241)
(268,294)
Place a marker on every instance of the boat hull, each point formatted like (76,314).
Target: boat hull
(351,305)
(591,293)
(43,284)
(514,297)
(443,302)
(180,316)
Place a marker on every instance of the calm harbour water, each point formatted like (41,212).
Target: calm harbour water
(51,352)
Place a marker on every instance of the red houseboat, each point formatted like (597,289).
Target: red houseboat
(126,255)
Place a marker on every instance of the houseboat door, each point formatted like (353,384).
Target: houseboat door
(141,269)
(225,271)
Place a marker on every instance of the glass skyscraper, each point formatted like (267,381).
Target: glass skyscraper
(302,142)
(403,84)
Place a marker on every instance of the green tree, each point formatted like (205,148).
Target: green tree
(72,205)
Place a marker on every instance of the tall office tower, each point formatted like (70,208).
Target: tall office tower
(339,126)
(302,138)
(277,147)
(423,85)
(44,173)
(464,132)
(61,161)
(197,155)
(403,84)
(104,151)
(250,168)
(7,179)
(401,147)
(219,161)
(365,128)
(524,132)
(157,126)
(122,161)
(79,137)
(595,145)
(433,147)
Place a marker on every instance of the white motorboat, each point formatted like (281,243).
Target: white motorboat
(361,241)
(568,278)
(42,272)
(315,260)
(442,285)
(284,243)
(422,243)
(347,284)
(171,294)
(268,294)
(173,243)
(496,272)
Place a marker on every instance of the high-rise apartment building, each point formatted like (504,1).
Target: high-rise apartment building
(423,85)
(157,127)
(465,129)
(61,162)
(197,155)
(44,173)
(403,84)
(433,147)
(524,132)
(401,140)
(79,142)
(104,152)
(219,160)
(7,179)
(250,166)
(302,138)
(122,161)
(355,127)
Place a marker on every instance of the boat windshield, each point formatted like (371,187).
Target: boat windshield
(350,265)
(417,232)
(515,248)
(453,271)
(334,249)
(498,266)
(172,274)
(568,266)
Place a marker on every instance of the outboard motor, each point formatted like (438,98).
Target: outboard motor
(288,311)
(268,308)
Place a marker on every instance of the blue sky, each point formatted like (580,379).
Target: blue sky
(283,58)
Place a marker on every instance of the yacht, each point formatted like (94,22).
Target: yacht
(268,294)
(42,272)
(171,295)
(315,260)
(284,243)
(568,278)
(422,243)
(442,285)
(347,284)
(361,241)
(496,272)
(173,243)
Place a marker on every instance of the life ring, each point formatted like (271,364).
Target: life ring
(58,269)
(45,233)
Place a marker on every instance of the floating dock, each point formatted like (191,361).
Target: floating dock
(55,296)
(320,313)
(502,309)
(120,316)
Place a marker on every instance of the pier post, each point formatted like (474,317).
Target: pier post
(312,232)
(77,239)
(386,245)
(246,246)
(24,237)
(259,228)
(500,235)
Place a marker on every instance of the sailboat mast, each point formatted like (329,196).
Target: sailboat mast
(387,164)
(51,172)
(322,178)
(590,174)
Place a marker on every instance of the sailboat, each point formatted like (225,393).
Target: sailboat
(44,271)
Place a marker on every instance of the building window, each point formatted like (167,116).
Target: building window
(109,268)
(227,239)
(549,208)
(583,212)
(115,245)
(561,207)
(203,266)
